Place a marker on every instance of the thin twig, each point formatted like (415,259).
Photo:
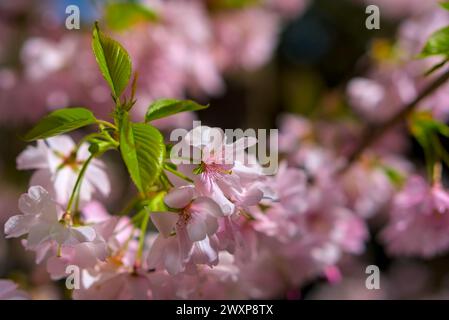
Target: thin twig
(373,134)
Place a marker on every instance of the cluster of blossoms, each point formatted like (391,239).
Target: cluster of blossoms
(396,76)
(187,48)
(217,231)
(216,226)
(417,210)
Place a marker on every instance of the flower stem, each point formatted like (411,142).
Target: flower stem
(106,124)
(437,173)
(178,174)
(78,182)
(373,134)
(143,230)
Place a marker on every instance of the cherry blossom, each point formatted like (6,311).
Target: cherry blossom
(195,241)
(418,220)
(58,161)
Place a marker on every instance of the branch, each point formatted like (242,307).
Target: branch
(372,133)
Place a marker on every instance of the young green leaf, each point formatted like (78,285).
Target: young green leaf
(113,60)
(422,123)
(445,5)
(122,15)
(167,107)
(437,44)
(60,121)
(395,177)
(232,4)
(143,151)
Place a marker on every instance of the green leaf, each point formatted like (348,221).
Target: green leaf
(444,5)
(156,203)
(167,107)
(233,4)
(437,44)
(59,122)
(395,177)
(422,124)
(143,151)
(113,60)
(122,15)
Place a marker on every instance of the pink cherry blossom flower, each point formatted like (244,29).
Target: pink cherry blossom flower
(379,96)
(397,80)
(41,221)
(223,174)
(237,236)
(9,291)
(245,39)
(288,8)
(111,281)
(58,163)
(195,224)
(419,220)
(367,185)
(112,235)
(293,131)
(52,237)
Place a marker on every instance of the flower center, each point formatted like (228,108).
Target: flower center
(213,170)
(69,161)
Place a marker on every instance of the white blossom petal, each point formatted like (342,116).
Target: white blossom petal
(179,197)
(164,222)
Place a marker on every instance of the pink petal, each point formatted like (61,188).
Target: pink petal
(63,144)
(252,197)
(179,197)
(83,234)
(18,225)
(38,235)
(64,182)
(205,253)
(97,176)
(32,202)
(87,254)
(56,267)
(172,258)
(95,212)
(156,252)
(196,228)
(164,222)
(211,225)
(43,178)
(33,157)
(206,205)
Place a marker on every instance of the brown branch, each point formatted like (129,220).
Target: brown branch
(373,133)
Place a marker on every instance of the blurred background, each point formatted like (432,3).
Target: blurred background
(252,63)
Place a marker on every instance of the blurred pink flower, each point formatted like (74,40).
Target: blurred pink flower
(288,8)
(419,220)
(9,291)
(245,39)
(393,82)
(401,8)
(111,282)
(367,185)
